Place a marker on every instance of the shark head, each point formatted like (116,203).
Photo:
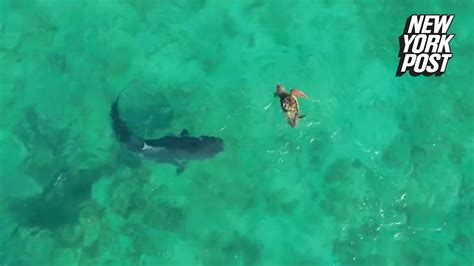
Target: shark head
(211,145)
(199,148)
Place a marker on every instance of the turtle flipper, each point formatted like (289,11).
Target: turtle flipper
(298,93)
(301,116)
(292,122)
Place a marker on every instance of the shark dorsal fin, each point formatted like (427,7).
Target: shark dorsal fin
(184,133)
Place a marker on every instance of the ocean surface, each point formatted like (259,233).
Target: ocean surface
(379,172)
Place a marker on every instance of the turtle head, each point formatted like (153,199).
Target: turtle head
(280,89)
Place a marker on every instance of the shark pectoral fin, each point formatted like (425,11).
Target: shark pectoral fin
(301,116)
(184,133)
(180,169)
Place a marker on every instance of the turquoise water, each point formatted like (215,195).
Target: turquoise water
(379,172)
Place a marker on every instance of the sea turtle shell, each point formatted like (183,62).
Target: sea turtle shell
(289,105)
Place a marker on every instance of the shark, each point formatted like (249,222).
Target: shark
(176,150)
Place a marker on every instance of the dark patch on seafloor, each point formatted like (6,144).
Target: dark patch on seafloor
(66,188)
(59,203)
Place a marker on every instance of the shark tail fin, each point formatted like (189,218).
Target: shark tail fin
(119,126)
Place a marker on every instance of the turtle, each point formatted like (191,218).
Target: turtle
(289,104)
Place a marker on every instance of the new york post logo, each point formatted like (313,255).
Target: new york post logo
(424,45)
